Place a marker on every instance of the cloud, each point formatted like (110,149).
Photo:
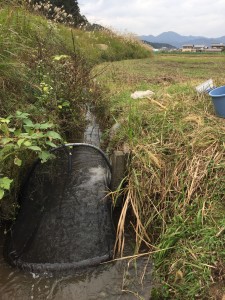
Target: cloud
(192,17)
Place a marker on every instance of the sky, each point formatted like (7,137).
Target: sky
(145,17)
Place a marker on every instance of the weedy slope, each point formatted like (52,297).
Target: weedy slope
(45,84)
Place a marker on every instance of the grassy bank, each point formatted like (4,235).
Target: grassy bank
(45,83)
(175,183)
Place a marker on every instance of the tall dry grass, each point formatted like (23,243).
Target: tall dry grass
(175,190)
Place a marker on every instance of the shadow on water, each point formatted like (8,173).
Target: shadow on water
(113,280)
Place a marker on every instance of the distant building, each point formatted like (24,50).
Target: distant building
(165,49)
(213,50)
(203,48)
(200,48)
(187,48)
(218,46)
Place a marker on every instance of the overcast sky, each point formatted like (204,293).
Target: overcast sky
(144,17)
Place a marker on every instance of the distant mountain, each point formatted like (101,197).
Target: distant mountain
(178,40)
(159,45)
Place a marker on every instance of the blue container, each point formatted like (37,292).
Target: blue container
(218,99)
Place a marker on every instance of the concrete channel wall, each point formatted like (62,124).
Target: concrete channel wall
(119,161)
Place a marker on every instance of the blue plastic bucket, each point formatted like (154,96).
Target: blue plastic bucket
(218,99)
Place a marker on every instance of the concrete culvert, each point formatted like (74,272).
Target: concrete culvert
(65,219)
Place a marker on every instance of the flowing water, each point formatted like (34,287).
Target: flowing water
(122,279)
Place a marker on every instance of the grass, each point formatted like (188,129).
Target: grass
(29,42)
(175,182)
(45,72)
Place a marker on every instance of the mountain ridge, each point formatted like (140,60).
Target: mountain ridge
(177,40)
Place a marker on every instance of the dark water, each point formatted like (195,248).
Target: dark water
(116,280)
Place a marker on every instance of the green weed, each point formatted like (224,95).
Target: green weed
(21,141)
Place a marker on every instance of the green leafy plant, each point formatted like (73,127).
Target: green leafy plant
(20,135)
(5,183)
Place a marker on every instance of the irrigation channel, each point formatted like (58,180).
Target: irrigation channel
(121,279)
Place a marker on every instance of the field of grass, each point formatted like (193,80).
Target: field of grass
(175,182)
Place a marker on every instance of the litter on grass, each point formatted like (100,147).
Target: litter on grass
(142,94)
(205,87)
